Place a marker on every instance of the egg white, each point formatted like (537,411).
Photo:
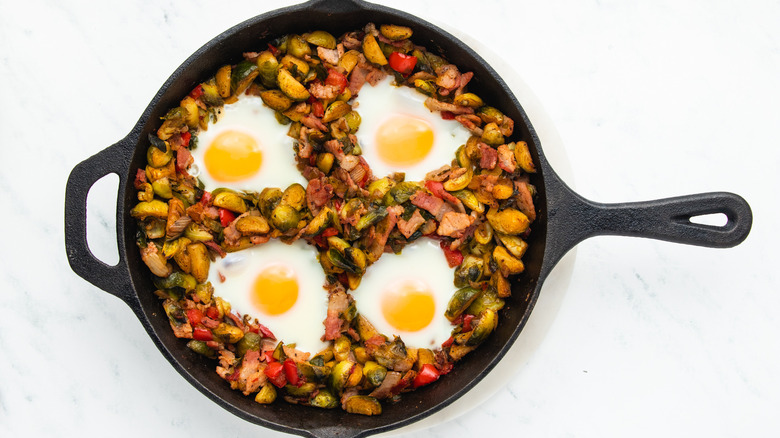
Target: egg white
(250,116)
(303,323)
(423,261)
(377,103)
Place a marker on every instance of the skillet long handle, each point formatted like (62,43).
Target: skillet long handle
(670,219)
(112,279)
(572,219)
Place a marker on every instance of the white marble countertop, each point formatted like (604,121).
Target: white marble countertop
(632,337)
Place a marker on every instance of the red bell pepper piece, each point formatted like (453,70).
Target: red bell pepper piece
(291,373)
(212,312)
(337,79)
(268,356)
(226,217)
(448,115)
(185,138)
(265,331)
(202,334)
(467,322)
(195,316)
(402,63)
(454,257)
(320,241)
(196,92)
(275,373)
(317,108)
(330,231)
(273,49)
(205,199)
(427,374)
(448,342)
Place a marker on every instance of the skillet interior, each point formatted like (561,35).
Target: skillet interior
(253,35)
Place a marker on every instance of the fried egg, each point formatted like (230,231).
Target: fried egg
(398,133)
(279,284)
(407,294)
(245,149)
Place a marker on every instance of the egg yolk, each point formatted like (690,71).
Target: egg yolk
(408,305)
(404,140)
(233,156)
(275,289)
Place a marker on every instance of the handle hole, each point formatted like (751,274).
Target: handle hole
(713,219)
(101,219)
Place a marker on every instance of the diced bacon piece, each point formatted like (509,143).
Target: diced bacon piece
(470,122)
(506,159)
(446,208)
(407,228)
(196,212)
(259,240)
(351,41)
(231,234)
(226,361)
(311,172)
(250,375)
(335,148)
(374,76)
(338,303)
(465,78)
(331,56)
(318,193)
(448,78)
(507,127)
(209,323)
(140,179)
(313,122)
(211,212)
(489,157)
(358,77)
(305,148)
(454,224)
(427,202)
(294,354)
(324,91)
(183,160)
(437,189)
(182,330)
(214,246)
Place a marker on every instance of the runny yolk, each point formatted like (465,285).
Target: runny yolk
(408,305)
(404,140)
(275,290)
(233,156)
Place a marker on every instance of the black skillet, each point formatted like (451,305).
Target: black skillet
(564,219)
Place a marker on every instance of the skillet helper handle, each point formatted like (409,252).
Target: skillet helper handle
(112,279)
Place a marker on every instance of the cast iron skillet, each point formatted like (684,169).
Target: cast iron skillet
(564,219)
